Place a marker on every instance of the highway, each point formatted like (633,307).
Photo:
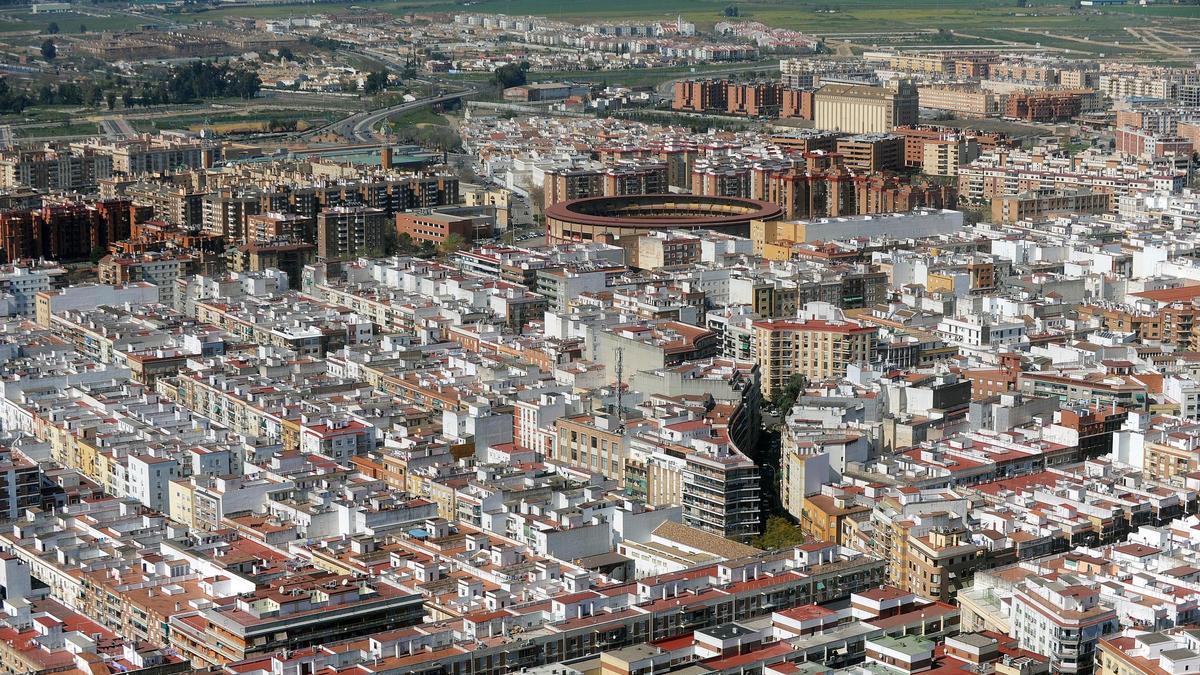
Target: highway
(361,126)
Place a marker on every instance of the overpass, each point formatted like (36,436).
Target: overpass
(361,126)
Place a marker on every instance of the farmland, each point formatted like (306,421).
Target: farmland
(868,21)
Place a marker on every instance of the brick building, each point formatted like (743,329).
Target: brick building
(435,226)
(64,231)
(871,152)
(1044,106)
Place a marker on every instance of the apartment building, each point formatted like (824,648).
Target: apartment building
(160,269)
(1043,205)
(944,157)
(464,223)
(54,169)
(1044,106)
(348,232)
(966,101)
(274,226)
(641,178)
(225,212)
(593,443)
(562,185)
(305,611)
(813,348)
(1062,618)
(870,153)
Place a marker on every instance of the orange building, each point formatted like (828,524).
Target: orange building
(1044,106)
(435,226)
(754,99)
(700,95)
(796,103)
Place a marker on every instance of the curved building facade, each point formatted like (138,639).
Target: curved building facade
(613,218)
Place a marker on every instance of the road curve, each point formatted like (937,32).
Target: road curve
(361,126)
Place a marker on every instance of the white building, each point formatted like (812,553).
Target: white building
(20,284)
(149,480)
(1062,618)
(974,331)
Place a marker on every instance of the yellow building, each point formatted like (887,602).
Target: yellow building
(814,348)
(1169,463)
(182,504)
(777,233)
(942,158)
(864,109)
(593,443)
(934,64)
(823,517)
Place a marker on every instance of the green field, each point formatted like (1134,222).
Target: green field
(418,117)
(1128,43)
(997,18)
(866,15)
(21,21)
(221,122)
(863,15)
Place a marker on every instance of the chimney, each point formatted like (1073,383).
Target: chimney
(385,156)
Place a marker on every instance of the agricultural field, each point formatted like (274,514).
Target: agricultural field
(865,23)
(963,22)
(69,23)
(824,16)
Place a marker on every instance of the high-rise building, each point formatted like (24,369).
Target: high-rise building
(1063,618)
(348,232)
(815,347)
(700,95)
(867,153)
(1044,106)
(225,212)
(562,185)
(268,227)
(64,230)
(54,169)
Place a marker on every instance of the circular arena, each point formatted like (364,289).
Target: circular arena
(610,219)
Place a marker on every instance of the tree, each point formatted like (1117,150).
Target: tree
(52,28)
(537,200)
(377,81)
(779,533)
(452,243)
(82,28)
(404,243)
(974,215)
(511,75)
(730,11)
(111,99)
(276,124)
(785,398)
(12,101)
(246,84)
(286,54)
(49,51)
(127,98)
